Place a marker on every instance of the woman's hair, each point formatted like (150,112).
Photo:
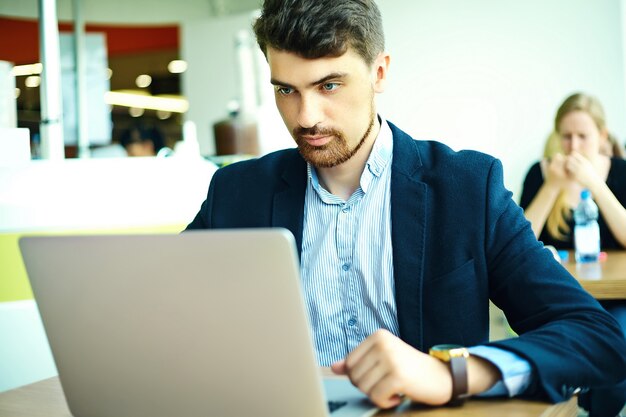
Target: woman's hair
(553,145)
(614,148)
(321,28)
(557,222)
(581,102)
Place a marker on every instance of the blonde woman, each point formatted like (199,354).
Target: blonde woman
(576,159)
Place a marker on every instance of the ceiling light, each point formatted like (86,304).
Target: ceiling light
(163,115)
(143,80)
(177,66)
(32,81)
(109,73)
(144,101)
(17,92)
(135,111)
(30,69)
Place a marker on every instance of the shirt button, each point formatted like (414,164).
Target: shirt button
(352,322)
(345,209)
(345,267)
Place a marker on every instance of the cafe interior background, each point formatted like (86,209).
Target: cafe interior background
(485,75)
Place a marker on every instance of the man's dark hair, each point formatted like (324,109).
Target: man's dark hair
(320,28)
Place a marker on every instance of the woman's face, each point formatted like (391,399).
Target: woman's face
(579,133)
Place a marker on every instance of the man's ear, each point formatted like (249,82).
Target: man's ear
(380,67)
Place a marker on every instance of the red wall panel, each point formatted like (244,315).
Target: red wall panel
(19,39)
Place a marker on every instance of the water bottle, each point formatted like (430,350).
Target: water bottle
(586,230)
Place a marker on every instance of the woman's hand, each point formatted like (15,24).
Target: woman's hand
(582,170)
(554,171)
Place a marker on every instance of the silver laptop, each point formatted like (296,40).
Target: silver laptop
(206,323)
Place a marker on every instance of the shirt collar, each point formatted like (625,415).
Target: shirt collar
(381,151)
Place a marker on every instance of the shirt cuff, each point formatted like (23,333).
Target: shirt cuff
(516,371)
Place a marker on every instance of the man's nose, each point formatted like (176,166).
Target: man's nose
(310,113)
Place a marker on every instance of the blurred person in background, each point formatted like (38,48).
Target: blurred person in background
(142,140)
(575,157)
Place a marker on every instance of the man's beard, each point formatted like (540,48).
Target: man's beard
(333,153)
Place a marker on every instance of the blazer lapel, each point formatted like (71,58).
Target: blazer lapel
(288,211)
(408,235)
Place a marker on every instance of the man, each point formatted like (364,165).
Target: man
(403,242)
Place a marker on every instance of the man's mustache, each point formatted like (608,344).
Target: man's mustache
(314,131)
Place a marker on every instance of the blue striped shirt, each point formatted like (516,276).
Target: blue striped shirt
(347,275)
(347,268)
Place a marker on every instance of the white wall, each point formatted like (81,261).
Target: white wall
(489,74)
(485,74)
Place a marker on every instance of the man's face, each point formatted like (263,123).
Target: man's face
(326,103)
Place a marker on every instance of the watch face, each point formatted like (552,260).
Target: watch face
(447,352)
(439,348)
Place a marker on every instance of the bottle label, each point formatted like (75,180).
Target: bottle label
(587,240)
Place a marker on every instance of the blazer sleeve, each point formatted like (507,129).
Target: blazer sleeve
(204,215)
(569,339)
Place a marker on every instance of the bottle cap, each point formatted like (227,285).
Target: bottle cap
(584,194)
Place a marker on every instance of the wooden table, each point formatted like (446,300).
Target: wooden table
(605,280)
(45,399)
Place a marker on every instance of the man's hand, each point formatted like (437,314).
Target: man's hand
(387,369)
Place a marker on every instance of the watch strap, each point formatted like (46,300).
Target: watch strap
(458,369)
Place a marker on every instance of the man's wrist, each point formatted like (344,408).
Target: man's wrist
(455,357)
(482,375)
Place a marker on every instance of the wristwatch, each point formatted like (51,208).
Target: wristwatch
(456,356)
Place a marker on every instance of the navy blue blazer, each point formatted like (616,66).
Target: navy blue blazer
(459,240)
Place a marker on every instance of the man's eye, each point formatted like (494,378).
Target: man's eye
(330,86)
(284,91)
